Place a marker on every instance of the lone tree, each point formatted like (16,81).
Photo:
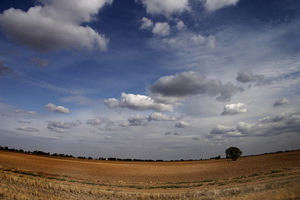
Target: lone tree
(233,152)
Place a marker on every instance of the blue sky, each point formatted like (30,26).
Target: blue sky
(150,79)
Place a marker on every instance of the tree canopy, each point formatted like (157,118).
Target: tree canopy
(233,152)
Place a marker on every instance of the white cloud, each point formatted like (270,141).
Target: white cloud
(137,102)
(111,102)
(95,122)
(185,42)
(146,23)
(157,116)
(220,129)
(171,133)
(166,7)
(192,83)
(232,109)
(211,42)
(101,123)
(180,25)
(27,129)
(213,5)
(161,29)
(59,126)
(267,126)
(25,112)
(31,113)
(281,101)
(53,108)
(24,122)
(55,25)
(246,77)
(198,39)
(182,124)
(137,120)
(75,11)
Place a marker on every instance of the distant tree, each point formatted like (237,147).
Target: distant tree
(233,152)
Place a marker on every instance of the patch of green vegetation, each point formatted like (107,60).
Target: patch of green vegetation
(253,175)
(167,187)
(221,184)
(51,178)
(197,182)
(244,181)
(278,175)
(198,185)
(55,178)
(276,171)
(182,182)
(26,173)
(89,183)
(211,183)
(240,177)
(208,180)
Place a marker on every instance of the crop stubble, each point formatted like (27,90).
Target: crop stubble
(265,175)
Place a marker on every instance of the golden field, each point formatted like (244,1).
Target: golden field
(270,176)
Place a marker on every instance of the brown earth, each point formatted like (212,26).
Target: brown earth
(271,176)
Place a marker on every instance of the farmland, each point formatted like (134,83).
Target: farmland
(270,176)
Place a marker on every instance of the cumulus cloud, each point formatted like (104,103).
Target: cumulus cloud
(137,120)
(25,112)
(198,39)
(56,24)
(4,71)
(281,101)
(157,116)
(192,83)
(146,23)
(282,123)
(59,126)
(213,5)
(246,77)
(180,25)
(220,130)
(137,102)
(31,113)
(101,123)
(27,129)
(111,102)
(267,126)
(24,122)
(182,124)
(95,122)
(185,42)
(232,109)
(165,7)
(161,29)
(171,133)
(39,62)
(211,41)
(59,109)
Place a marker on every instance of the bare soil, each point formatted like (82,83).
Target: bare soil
(271,176)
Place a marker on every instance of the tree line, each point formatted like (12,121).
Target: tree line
(233,152)
(38,152)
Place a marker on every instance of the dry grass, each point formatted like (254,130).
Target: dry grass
(274,176)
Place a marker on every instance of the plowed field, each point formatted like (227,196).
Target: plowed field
(272,176)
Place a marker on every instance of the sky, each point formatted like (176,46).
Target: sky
(150,79)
